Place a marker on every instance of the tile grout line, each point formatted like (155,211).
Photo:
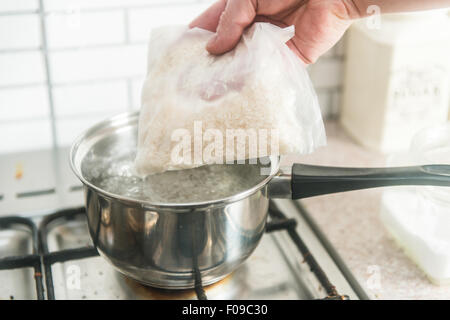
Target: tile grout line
(75,47)
(126,26)
(48,73)
(18,13)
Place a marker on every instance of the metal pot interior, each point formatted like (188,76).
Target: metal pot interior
(103,159)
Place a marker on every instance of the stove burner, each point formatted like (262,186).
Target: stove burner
(142,291)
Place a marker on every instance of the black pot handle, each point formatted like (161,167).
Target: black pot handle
(308,180)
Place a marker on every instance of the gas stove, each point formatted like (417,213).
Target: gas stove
(46,251)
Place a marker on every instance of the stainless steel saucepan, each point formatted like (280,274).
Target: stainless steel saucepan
(170,245)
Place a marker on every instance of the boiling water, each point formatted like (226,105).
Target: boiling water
(116,174)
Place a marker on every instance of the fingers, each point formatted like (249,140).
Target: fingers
(238,14)
(209,19)
(291,44)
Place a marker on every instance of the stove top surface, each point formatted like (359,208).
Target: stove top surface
(294,260)
(283,266)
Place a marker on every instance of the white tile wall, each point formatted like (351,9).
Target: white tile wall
(102,4)
(98,63)
(20,32)
(85,99)
(326,73)
(77,29)
(24,103)
(68,129)
(21,68)
(324,101)
(18,5)
(143,20)
(97,60)
(25,135)
(335,103)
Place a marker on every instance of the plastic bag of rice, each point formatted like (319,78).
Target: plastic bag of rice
(254,101)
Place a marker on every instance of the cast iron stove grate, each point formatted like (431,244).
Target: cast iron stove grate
(32,260)
(277,222)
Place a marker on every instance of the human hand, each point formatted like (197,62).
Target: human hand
(319,24)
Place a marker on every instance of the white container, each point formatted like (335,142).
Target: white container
(419,217)
(396,79)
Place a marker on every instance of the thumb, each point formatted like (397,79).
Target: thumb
(238,15)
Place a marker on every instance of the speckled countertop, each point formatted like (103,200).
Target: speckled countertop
(351,222)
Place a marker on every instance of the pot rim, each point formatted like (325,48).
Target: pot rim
(120,121)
